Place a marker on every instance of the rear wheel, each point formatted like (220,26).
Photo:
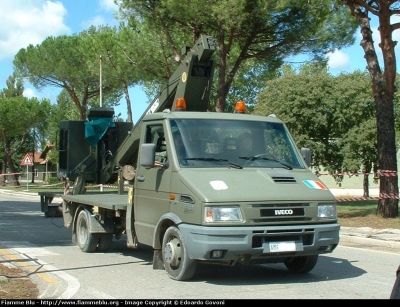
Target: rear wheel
(175,256)
(105,240)
(301,264)
(87,241)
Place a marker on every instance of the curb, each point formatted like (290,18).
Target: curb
(348,239)
(27,194)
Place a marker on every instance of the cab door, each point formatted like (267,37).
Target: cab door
(152,186)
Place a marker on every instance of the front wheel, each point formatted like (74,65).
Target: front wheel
(175,256)
(301,264)
(87,241)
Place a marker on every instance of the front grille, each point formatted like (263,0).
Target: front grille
(282,212)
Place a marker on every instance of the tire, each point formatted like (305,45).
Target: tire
(105,240)
(87,241)
(175,256)
(301,264)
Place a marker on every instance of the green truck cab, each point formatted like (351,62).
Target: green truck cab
(211,203)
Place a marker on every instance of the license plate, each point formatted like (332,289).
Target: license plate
(282,247)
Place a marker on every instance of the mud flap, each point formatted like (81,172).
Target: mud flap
(67,213)
(157,260)
(95,226)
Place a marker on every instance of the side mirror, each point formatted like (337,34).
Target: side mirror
(306,154)
(147,155)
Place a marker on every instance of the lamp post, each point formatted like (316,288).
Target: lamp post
(46,173)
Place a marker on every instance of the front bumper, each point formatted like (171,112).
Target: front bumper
(259,242)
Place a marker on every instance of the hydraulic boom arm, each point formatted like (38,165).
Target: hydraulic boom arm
(192,81)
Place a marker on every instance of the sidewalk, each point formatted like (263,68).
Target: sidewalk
(388,238)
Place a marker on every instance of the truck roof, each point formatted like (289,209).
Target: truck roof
(209,115)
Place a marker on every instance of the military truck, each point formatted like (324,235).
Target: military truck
(206,201)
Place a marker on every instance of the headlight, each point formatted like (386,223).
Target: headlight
(327,211)
(222,214)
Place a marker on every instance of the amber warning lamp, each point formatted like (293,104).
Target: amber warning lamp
(240,107)
(180,104)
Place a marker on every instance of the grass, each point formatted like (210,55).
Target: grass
(364,214)
(15,284)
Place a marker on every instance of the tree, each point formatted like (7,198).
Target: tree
(358,147)
(70,63)
(62,110)
(303,101)
(383,89)
(13,130)
(249,30)
(150,57)
(14,89)
(355,109)
(323,112)
(118,59)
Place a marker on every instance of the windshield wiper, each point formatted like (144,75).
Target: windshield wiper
(206,159)
(215,160)
(234,165)
(267,159)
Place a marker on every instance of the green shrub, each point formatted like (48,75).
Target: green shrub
(53,180)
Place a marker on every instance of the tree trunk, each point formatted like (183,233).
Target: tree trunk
(367,170)
(128,104)
(13,172)
(3,171)
(33,175)
(383,91)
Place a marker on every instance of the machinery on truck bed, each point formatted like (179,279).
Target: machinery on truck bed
(207,199)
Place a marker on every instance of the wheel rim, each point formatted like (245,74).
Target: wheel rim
(173,252)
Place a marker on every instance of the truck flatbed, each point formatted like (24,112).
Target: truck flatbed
(112,201)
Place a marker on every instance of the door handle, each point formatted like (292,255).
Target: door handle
(140,178)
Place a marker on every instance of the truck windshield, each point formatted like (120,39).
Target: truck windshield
(212,143)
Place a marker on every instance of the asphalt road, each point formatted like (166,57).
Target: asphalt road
(43,248)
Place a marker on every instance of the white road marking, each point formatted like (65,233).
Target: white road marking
(35,251)
(29,252)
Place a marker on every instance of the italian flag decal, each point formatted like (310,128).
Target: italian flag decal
(315,184)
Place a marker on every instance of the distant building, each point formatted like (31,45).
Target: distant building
(42,169)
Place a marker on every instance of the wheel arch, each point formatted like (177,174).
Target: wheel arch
(165,221)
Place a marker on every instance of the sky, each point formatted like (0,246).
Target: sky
(26,22)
